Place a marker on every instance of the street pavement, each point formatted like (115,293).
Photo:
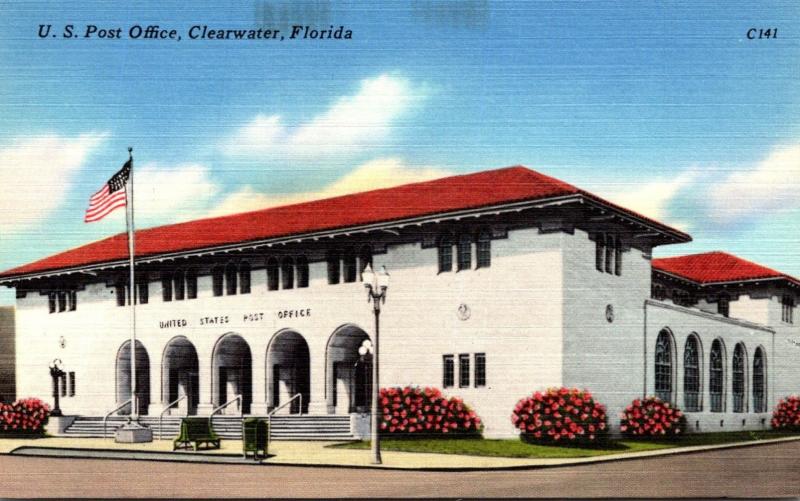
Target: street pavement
(759,471)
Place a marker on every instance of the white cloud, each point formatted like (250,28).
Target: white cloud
(36,174)
(772,185)
(166,194)
(350,124)
(650,199)
(379,173)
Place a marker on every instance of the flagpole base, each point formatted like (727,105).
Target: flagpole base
(133,433)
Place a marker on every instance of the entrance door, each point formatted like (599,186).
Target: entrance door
(362,386)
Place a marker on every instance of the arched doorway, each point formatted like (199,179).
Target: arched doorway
(232,374)
(288,371)
(124,377)
(180,376)
(348,376)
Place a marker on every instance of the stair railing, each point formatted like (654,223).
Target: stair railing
(161,416)
(218,409)
(105,418)
(276,409)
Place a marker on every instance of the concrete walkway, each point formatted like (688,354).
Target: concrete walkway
(317,454)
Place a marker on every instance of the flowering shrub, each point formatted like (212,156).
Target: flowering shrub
(416,411)
(561,416)
(786,415)
(24,417)
(652,417)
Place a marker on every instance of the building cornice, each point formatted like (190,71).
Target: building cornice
(709,316)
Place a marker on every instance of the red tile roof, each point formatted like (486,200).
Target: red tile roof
(469,191)
(717,267)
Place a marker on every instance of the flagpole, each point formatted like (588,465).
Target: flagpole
(132,288)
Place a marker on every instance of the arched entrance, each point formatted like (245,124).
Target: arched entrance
(232,373)
(348,376)
(288,371)
(124,377)
(179,376)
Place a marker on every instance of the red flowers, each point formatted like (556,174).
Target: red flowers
(418,411)
(25,416)
(786,415)
(560,415)
(652,417)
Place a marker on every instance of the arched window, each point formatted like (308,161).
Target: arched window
(230,279)
(179,290)
(217,275)
(445,253)
(191,283)
(664,366)
(691,375)
(244,277)
(484,249)
(166,286)
(364,258)
(302,272)
(350,274)
(716,380)
(273,274)
(464,252)
(287,272)
(739,363)
(334,268)
(759,380)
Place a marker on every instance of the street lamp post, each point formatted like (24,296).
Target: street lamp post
(56,373)
(376,285)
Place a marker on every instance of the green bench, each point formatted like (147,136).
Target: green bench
(196,430)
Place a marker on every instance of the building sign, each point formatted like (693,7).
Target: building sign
(247,318)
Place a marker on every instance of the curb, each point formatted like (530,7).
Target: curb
(163,456)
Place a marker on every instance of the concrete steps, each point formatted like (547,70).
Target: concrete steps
(284,427)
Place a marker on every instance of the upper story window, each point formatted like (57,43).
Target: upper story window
(273,274)
(287,273)
(364,259)
(231,276)
(61,301)
(445,253)
(724,305)
(180,285)
(787,309)
(166,286)
(681,297)
(484,249)
(179,289)
(464,252)
(334,268)
(658,292)
(217,280)
(122,291)
(349,266)
(244,277)
(608,253)
(302,272)
(191,283)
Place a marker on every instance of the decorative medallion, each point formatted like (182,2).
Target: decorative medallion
(609,313)
(463,312)
(62,342)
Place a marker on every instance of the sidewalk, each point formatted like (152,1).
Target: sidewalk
(316,454)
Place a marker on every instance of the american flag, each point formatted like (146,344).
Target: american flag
(111,196)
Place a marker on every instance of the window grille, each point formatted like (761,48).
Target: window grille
(71,379)
(739,363)
(464,252)
(691,375)
(484,249)
(480,370)
(448,371)
(716,375)
(759,402)
(463,370)
(445,253)
(663,361)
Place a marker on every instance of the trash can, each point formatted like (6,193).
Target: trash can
(254,437)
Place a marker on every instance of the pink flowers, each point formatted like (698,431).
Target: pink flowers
(25,416)
(652,417)
(560,415)
(416,411)
(786,415)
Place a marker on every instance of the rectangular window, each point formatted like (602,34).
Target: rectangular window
(51,301)
(787,310)
(119,290)
(724,305)
(217,280)
(63,385)
(448,371)
(480,370)
(62,301)
(599,251)
(143,289)
(463,370)
(609,254)
(464,252)
(350,274)
(618,257)
(72,296)
(71,379)
(484,250)
(333,269)
(191,283)
(178,286)
(445,255)
(166,287)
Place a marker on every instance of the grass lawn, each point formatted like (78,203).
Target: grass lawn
(515,448)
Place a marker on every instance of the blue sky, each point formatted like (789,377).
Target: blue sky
(664,107)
